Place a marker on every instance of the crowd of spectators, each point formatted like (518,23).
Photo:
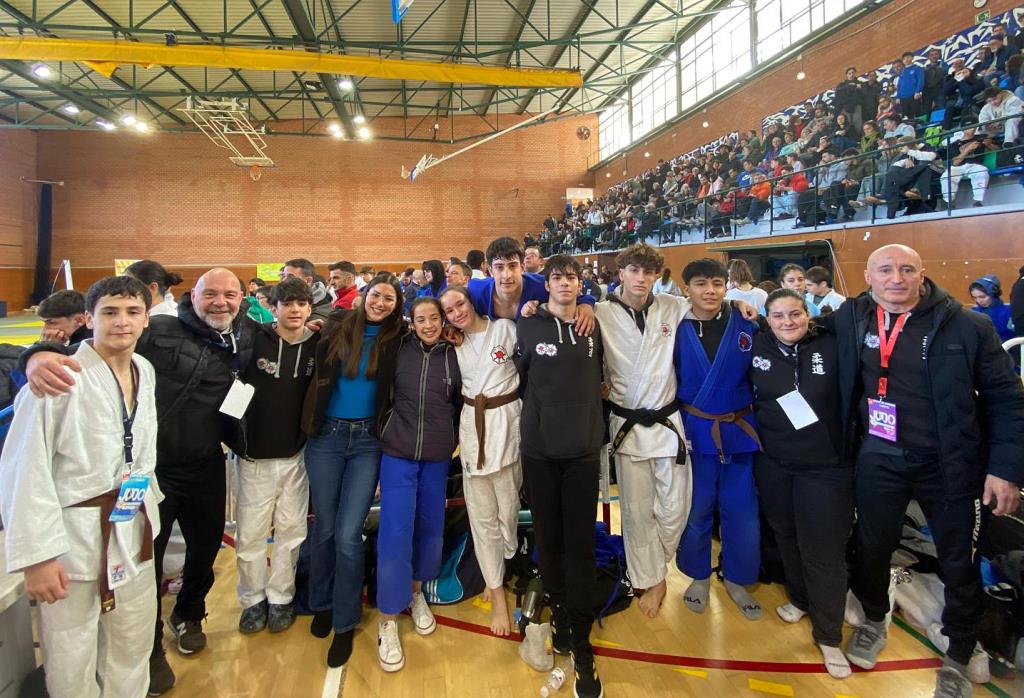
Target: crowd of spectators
(866,146)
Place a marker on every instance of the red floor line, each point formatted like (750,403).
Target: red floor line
(696,662)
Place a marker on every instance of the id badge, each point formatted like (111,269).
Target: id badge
(130,498)
(236,402)
(882,419)
(800,413)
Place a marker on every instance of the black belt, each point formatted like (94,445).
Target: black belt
(646,418)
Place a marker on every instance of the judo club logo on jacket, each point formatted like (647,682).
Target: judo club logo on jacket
(666,329)
(545,349)
(499,355)
(761,363)
(746,342)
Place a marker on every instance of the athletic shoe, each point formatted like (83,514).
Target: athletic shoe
(588,683)
(161,676)
(253,619)
(867,641)
(321,625)
(857,204)
(341,649)
(189,633)
(561,631)
(280,617)
(950,683)
(389,647)
(422,618)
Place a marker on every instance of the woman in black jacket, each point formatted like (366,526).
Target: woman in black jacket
(805,485)
(422,395)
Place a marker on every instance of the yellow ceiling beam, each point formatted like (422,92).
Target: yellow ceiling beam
(104,54)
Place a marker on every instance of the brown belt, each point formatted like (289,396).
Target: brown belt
(480,404)
(106,502)
(729,418)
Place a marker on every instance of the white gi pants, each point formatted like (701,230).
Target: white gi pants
(174,555)
(654,499)
(272,490)
(977,174)
(493,505)
(91,655)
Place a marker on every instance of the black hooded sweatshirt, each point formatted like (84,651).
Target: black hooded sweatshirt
(560,376)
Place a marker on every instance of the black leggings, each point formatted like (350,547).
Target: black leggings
(810,510)
(563,500)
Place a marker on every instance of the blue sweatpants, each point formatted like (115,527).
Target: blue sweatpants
(730,487)
(412,498)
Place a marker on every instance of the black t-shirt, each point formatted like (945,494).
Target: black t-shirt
(710,332)
(916,428)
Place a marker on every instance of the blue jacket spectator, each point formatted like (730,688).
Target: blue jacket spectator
(987,293)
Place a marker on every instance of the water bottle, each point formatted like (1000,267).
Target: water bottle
(555,680)
(533,600)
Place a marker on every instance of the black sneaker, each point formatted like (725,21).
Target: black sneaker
(161,676)
(340,649)
(189,634)
(561,631)
(321,625)
(253,619)
(280,617)
(588,683)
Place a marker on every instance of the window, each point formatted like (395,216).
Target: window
(782,23)
(654,97)
(716,54)
(613,130)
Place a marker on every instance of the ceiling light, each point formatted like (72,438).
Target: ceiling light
(437,126)
(141,126)
(607,174)
(105,125)
(364,133)
(705,124)
(41,71)
(801,75)
(70,109)
(335,130)
(128,119)
(359,119)
(345,84)
(647,154)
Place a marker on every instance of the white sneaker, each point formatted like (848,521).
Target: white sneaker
(422,618)
(978,668)
(389,647)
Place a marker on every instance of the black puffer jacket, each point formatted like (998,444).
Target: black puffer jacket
(422,397)
(978,399)
(195,367)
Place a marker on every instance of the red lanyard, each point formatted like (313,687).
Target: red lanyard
(886,344)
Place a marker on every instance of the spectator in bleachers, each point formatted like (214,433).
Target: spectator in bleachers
(909,177)
(848,98)
(775,149)
(870,191)
(1001,103)
(961,90)
(895,127)
(993,65)
(909,87)
(869,138)
(885,108)
(786,192)
(63,316)
(1014,67)
(934,83)
(829,181)
(870,93)
(820,294)
(987,293)
(844,134)
(968,155)
(759,199)
(741,286)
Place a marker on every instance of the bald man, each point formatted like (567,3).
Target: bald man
(197,356)
(936,415)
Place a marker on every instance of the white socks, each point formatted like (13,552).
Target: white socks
(790,613)
(835,662)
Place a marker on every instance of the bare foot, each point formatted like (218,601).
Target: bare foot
(650,602)
(486,596)
(500,624)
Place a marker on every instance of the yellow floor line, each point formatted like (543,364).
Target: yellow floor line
(480,603)
(699,673)
(776,689)
(604,643)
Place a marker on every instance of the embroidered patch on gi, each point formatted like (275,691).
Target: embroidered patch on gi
(117,574)
(666,330)
(545,349)
(746,342)
(761,363)
(871,341)
(499,355)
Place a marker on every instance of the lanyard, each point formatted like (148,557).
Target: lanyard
(886,344)
(127,420)
(796,362)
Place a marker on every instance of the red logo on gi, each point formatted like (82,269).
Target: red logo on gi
(666,331)
(499,355)
(745,341)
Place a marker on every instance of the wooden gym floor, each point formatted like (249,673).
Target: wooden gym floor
(677,654)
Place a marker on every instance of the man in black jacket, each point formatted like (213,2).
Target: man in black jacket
(849,100)
(197,357)
(936,414)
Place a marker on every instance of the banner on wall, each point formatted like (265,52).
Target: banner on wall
(121,264)
(268,271)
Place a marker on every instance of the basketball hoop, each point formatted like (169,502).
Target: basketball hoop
(255,172)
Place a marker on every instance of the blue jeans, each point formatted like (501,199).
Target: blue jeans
(343,464)
(412,500)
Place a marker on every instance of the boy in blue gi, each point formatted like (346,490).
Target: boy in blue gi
(712,357)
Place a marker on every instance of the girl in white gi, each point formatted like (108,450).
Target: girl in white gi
(489,442)
(79,499)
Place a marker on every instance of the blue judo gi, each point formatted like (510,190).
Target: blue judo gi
(482,293)
(723,472)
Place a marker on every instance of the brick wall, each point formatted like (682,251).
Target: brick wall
(871,41)
(18,204)
(177,199)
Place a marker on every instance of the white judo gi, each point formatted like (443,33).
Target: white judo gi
(654,490)
(62,451)
(491,484)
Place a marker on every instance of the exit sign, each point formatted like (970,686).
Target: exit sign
(982,16)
